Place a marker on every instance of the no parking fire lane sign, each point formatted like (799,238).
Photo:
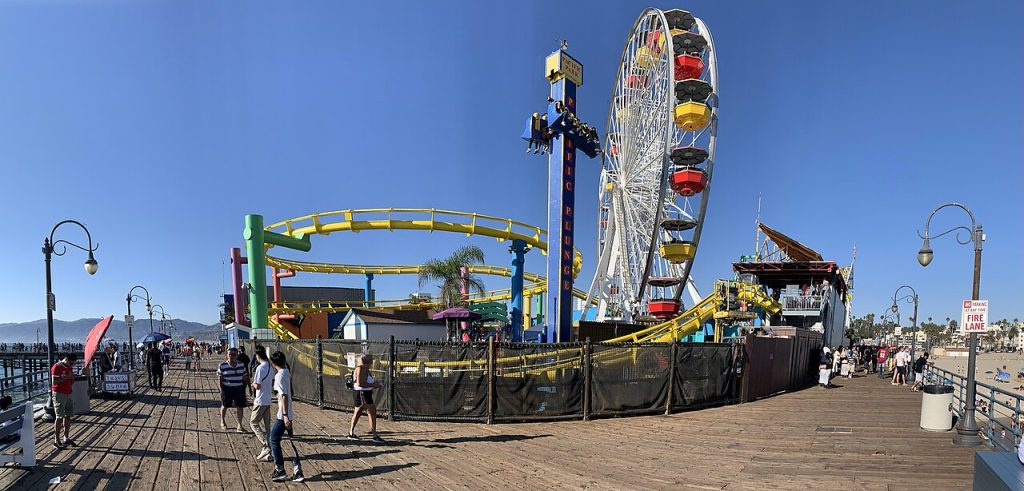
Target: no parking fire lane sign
(974,317)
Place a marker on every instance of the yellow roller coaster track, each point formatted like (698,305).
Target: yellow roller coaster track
(428,219)
(536,285)
(672,330)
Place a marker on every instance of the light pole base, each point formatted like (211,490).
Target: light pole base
(967,438)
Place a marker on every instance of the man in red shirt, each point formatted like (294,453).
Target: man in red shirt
(883,355)
(63,381)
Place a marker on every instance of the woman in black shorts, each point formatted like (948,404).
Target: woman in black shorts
(362,397)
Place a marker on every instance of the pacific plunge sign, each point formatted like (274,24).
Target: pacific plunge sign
(974,316)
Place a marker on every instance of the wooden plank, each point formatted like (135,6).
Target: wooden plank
(786,441)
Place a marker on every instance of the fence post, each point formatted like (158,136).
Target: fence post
(671,378)
(588,349)
(392,371)
(490,380)
(319,372)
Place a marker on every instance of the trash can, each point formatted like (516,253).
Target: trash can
(80,394)
(937,407)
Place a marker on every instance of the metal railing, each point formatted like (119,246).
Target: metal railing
(25,386)
(999,420)
(802,302)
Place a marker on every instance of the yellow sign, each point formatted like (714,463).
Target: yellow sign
(559,65)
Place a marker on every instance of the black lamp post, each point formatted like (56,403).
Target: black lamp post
(967,432)
(895,308)
(50,250)
(149,308)
(163,316)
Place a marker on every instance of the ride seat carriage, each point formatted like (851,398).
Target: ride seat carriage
(688,156)
(688,181)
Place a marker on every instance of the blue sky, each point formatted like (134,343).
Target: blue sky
(161,124)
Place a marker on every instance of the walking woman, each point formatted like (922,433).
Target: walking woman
(362,398)
(284,422)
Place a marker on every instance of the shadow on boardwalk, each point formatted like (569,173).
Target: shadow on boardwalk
(864,433)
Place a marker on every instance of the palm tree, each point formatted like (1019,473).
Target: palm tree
(448,272)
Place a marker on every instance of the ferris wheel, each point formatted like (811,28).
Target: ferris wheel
(656,167)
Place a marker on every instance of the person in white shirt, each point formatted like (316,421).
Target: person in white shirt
(259,418)
(901,366)
(285,420)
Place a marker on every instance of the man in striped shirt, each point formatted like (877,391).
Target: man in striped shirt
(233,378)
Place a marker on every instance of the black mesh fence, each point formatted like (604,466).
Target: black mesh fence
(529,381)
(703,375)
(341,358)
(630,379)
(538,381)
(441,381)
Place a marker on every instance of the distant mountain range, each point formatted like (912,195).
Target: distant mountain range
(75,331)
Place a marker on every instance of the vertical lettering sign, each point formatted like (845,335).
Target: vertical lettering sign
(561,222)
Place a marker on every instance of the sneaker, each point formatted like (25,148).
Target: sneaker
(377,439)
(353,436)
(70,443)
(279,476)
(239,430)
(298,477)
(264,454)
(223,426)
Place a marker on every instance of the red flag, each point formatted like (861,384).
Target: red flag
(92,341)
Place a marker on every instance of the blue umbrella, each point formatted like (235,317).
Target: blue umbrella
(154,337)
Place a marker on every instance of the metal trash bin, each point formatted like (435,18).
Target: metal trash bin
(80,394)
(937,407)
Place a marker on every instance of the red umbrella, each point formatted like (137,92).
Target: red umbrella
(92,340)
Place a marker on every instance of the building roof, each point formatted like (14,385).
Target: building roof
(780,274)
(322,293)
(790,247)
(395,316)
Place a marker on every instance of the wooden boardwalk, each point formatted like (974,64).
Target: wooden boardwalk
(863,435)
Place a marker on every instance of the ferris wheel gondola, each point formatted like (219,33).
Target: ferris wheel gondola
(656,167)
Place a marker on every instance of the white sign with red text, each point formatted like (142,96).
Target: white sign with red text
(974,317)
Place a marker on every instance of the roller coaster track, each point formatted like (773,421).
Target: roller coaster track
(536,286)
(428,219)
(672,330)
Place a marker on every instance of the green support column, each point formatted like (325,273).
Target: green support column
(253,235)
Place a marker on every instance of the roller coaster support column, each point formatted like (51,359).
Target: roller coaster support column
(237,260)
(368,293)
(518,249)
(255,237)
(559,133)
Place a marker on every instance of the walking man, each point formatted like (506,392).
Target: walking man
(155,365)
(262,383)
(63,384)
(165,351)
(284,423)
(231,374)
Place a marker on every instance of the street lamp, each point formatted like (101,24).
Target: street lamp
(149,308)
(967,432)
(49,250)
(163,316)
(895,308)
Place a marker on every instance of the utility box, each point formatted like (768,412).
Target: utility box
(80,395)
(937,407)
